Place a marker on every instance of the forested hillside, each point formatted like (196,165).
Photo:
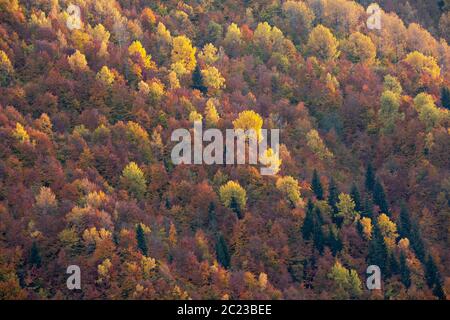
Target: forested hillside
(88,103)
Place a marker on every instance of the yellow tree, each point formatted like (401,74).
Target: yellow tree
(317,146)
(388,230)
(78,62)
(133,180)
(6,69)
(249,120)
(290,188)
(322,43)
(212,78)
(209,54)
(359,48)
(183,55)
(211,115)
(232,194)
(105,76)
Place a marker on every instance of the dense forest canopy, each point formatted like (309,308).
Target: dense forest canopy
(91,91)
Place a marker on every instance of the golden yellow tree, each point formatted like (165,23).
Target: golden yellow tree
(322,43)
(183,55)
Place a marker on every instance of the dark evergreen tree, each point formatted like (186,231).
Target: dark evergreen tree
(234,206)
(368,208)
(141,240)
(197,80)
(333,242)
(393,265)
(212,218)
(433,278)
(354,193)
(417,242)
(405,274)
(333,196)
(370,178)
(308,223)
(431,272)
(438,291)
(378,253)
(379,198)
(222,253)
(405,223)
(445,97)
(35,256)
(317,185)
(319,240)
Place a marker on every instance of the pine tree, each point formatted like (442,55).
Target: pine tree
(234,206)
(333,194)
(318,236)
(35,256)
(212,218)
(334,242)
(445,97)
(405,274)
(222,253)
(308,223)
(431,272)
(317,185)
(141,240)
(197,80)
(393,265)
(405,222)
(417,242)
(370,178)
(379,198)
(354,193)
(368,208)
(378,253)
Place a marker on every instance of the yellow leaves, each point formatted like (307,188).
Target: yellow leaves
(20,133)
(233,35)
(133,180)
(290,188)
(78,62)
(145,228)
(211,114)
(249,120)
(94,236)
(6,69)
(95,199)
(262,280)
(429,114)
(317,146)
(173,80)
(212,78)
(154,89)
(68,237)
(271,159)
(105,76)
(103,270)
(195,116)
(346,207)
(388,230)
(46,199)
(209,54)
(422,63)
(233,190)
(366,224)
(183,55)
(138,55)
(322,43)
(359,48)
(148,264)
(5,63)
